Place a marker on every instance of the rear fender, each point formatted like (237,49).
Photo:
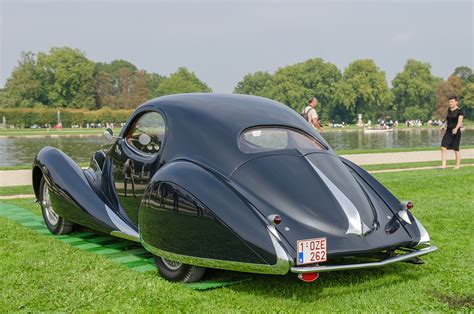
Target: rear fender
(188,210)
(415,229)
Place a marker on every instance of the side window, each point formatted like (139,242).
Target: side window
(148,133)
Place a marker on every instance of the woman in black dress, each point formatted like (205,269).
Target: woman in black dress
(452,137)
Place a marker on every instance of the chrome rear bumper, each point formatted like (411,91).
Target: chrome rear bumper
(394,259)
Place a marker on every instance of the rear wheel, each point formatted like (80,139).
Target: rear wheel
(176,271)
(55,223)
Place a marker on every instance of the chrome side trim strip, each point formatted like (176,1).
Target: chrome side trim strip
(281,267)
(398,258)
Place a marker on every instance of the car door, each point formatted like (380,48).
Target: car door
(136,159)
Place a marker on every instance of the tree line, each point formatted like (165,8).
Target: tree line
(65,78)
(362,88)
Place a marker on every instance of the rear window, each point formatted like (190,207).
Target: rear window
(261,139)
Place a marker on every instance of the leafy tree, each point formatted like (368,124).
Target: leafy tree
(463,72)
(152,82)
(104,89)
(3,98)
(116,70)
(24,88)
(415,86)
(293,85)
(68,78)
(451,87)
(120,84)
(139,91)
(363,89)
(182,81)
(468,100)
(256,84)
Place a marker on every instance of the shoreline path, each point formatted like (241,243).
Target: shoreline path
(23,177)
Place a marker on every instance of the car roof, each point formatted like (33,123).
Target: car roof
(205,127)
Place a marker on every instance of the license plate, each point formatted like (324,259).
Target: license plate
(311,251)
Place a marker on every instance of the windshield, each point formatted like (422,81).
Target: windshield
(262,139)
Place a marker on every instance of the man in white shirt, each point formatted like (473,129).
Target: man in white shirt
(310,111)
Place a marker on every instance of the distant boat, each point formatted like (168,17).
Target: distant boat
(377,130)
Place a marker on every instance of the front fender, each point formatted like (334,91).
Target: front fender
(71,194)
(191,215)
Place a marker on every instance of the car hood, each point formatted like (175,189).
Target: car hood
(316,196)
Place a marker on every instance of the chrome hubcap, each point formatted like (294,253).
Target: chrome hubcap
(48,208)
(171,264)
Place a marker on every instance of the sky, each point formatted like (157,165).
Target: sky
(222,41)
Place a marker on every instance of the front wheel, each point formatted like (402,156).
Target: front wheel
(176,271)
(55,223)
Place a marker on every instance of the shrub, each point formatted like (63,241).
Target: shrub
(26,117)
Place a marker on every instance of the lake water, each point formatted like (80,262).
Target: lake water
(16,151)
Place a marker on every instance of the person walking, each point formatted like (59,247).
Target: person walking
(311,115)
(452,136)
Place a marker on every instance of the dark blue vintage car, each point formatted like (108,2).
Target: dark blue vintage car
(232,182)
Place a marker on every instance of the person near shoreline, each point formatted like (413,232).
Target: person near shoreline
(452,136)
(310,111)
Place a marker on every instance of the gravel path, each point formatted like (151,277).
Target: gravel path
(8,197)
(23,177)
(15,177)
(395,158)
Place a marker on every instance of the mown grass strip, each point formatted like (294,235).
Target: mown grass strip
(80,240)
(15,190)
(116,250)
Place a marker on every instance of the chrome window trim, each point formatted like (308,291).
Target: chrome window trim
(136,150)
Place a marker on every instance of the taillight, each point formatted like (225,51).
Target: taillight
(409,205)
(274,219)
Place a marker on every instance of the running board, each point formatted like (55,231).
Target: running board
(398,258)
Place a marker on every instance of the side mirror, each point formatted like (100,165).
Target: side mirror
(144,139)
(108,134)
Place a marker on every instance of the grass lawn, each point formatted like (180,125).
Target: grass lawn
(406,165)
(15,190)
(40,273)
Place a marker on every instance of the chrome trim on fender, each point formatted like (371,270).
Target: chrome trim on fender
(424,236)
(398,258)
(122,226)
(403,215)
(273,231)
(356,225)
(281,267)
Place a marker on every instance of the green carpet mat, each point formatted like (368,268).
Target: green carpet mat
(127,253)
